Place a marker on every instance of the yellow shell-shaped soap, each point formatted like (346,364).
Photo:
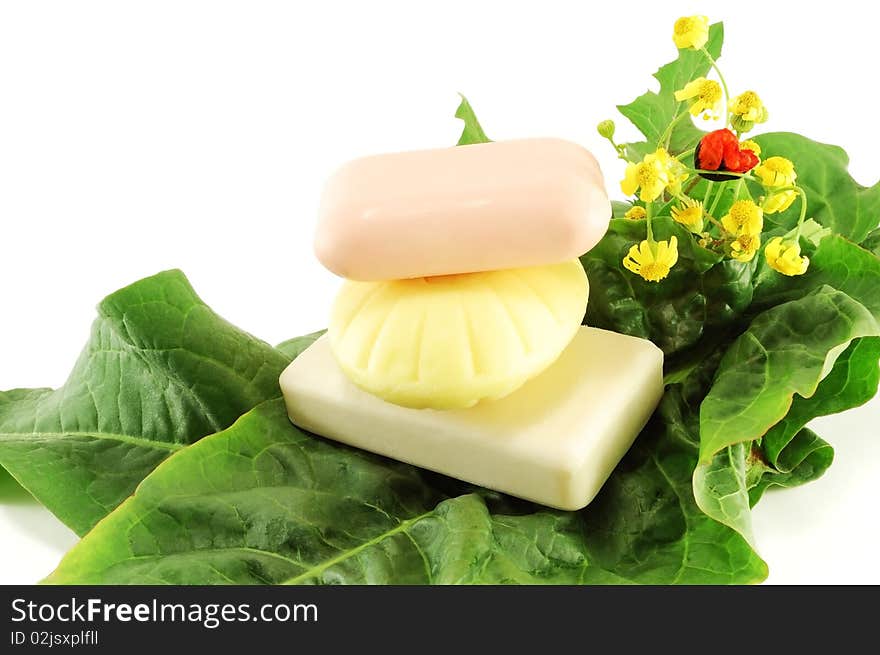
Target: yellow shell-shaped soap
(451,341)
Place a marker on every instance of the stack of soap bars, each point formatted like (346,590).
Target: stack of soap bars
(455,343)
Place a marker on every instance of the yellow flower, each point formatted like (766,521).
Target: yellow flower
(689,214)
(649,175)
(744,216)
(652,260)
(691,32)
(748,144)
(776,172)
(705,96)
(748,107)
(744,246)
(635,212)
(656,172)
(786,257)
(779,201)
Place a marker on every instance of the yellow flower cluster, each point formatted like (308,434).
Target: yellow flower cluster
(658,178)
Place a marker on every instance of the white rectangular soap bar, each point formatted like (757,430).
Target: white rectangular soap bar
(553,441)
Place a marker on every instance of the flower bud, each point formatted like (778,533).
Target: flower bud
(606,128)
(740,124)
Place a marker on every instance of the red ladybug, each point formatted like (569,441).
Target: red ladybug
(720,151)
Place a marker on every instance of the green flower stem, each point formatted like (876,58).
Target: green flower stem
(619,149)
(803,214)
(715,221)
(709,188)
(648,207)
(800,224)
(723,84)
(718,194)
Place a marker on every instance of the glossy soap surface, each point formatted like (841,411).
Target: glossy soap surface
(451,341)
(508,204)
(554,441)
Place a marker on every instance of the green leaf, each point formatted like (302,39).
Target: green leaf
(834,198)
(160,371)
(807,457)
(852,382)
(787,350)
(265,503)
(473,131)
(646,525)
(652,112)
(293,347)
(721,488)
(11,492)
(792,455)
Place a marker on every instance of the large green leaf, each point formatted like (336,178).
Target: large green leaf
(160,371)
(834,198)
(652,112)
(265,503)
(791,455)
(786,351)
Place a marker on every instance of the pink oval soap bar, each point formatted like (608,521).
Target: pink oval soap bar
(464,209)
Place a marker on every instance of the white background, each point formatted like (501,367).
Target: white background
(140,136)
